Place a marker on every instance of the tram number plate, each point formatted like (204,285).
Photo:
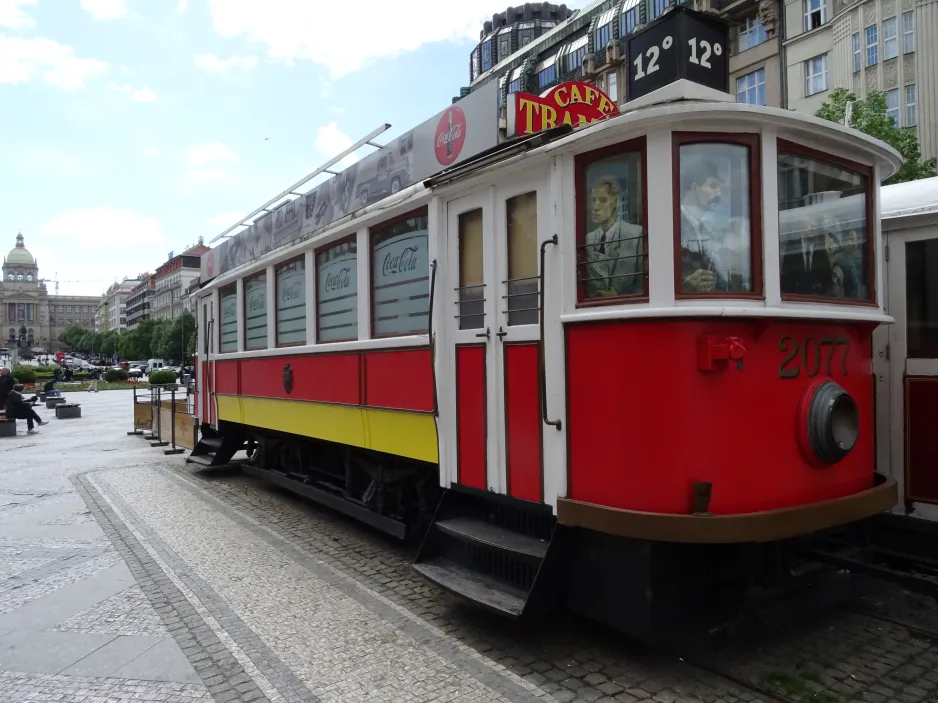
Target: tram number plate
(813,356)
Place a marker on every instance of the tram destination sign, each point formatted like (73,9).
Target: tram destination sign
(574,103)
(682,44)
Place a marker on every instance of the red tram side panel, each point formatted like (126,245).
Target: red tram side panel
(645,423)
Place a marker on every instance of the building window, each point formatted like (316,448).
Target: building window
(61,320)
(19,277)
(815,75)
(521,288)
(892,105)
(486,55)
(514,86)
(751,33)
(718,217)
(612,86)
(68,308)
(228,302)
(255,311)
(504,43)
(659,6)
(908,32)
(291,302)
(611,227)
(815,14)
(628,21)
(602,36)
(11,277)
(911,118)
(29,277)
(400,277)
(857,57)
(471,303)
(872,45)
(546,76)
(830,257)
(751,88)
(337,286)
(890,39)
(574,55)
(475,66)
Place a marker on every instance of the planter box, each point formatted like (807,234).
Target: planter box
(68,411)
(42,397)
(7,428)
(52,403)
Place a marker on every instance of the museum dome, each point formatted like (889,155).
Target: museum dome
(20,254)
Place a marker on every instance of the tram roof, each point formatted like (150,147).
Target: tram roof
(907,199)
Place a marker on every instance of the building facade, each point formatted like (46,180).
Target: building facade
(116,302)
(140,300)
(28,309)
(783,53)
(172,281)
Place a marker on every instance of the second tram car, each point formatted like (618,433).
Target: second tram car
(622,365)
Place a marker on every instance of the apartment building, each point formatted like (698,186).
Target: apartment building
(864,46)
(172,280)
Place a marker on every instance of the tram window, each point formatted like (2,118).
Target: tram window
(337,286)
(471,302)
(228,302)
(824,238)
(401,277)
(921,298)
(611,229)
(718,218)
(255,311)
(291,303)
(522,284)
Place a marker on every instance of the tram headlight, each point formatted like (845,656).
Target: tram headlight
(831,422)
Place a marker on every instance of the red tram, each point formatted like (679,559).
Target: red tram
(623,365)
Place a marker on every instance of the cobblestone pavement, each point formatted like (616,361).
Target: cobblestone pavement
(111,545)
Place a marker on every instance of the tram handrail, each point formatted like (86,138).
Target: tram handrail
(436,403)
(542,366)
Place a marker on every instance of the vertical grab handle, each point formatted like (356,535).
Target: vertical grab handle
(542,366)
(436,402)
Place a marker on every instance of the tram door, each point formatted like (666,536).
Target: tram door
(493,260)
(206,343)
(912,273)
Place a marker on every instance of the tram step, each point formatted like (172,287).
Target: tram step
(203,459)
(214,442)
(477,587)
(473,530)
(217,450)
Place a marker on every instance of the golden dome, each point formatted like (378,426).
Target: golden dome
(19,255)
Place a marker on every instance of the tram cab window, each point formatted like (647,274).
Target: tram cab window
(824,237)
(255,311)
(717,219)
(337,287)
(611,228)
(228,302)
(921,298)
(471,301)
(400,277)
(522,284)
(291,302)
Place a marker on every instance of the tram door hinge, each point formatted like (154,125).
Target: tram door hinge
(887,252)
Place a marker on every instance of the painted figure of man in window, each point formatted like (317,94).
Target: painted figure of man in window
(614,248)
(701,189)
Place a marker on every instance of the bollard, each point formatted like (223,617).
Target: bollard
(134,419)
(172,416)
(159,420)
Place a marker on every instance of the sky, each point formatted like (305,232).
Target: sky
(130,128)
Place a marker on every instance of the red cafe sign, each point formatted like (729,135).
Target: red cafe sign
(575,103)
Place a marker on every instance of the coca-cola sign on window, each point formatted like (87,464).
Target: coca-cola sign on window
(450,135)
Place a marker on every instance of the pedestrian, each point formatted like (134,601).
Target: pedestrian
(6,385)
(18,408)
(93,385)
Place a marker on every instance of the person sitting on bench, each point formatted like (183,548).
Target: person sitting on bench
(18,408)
(49,390)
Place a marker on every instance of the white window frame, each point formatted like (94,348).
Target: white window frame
(812,8)
(751,34)
(911,113)
(892,106)
(857,53)
(872,47)
(810,75)
(908,32)
(742,82)
(890,38)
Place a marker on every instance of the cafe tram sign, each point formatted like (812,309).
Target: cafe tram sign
(576,103)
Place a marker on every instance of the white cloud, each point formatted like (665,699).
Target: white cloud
(225,219)
(151,152)
(206,163)
(142,95)
(182,6)
(200,176)
(331,141)
(210,62)
(104,9)
(23,59)
(103,227)
(12,17)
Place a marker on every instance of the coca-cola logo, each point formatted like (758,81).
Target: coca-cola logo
(338,281)
(404,262)
(292,290)
(450,136)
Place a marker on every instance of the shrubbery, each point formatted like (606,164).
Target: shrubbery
(115,375)
(159,378)
(24,374)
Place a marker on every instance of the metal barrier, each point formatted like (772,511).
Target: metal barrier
(168,400)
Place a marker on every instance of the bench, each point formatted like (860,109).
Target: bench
(68,411)
(7,427)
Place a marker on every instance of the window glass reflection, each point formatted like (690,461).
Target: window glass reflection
(716,247)
(823,234)
(612,261)
(921,298)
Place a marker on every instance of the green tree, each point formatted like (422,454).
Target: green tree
(869,116)
(71,337)
(108,343)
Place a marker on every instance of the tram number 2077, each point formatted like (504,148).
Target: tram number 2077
(813,355)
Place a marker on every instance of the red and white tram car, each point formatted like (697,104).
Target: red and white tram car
(632,359)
